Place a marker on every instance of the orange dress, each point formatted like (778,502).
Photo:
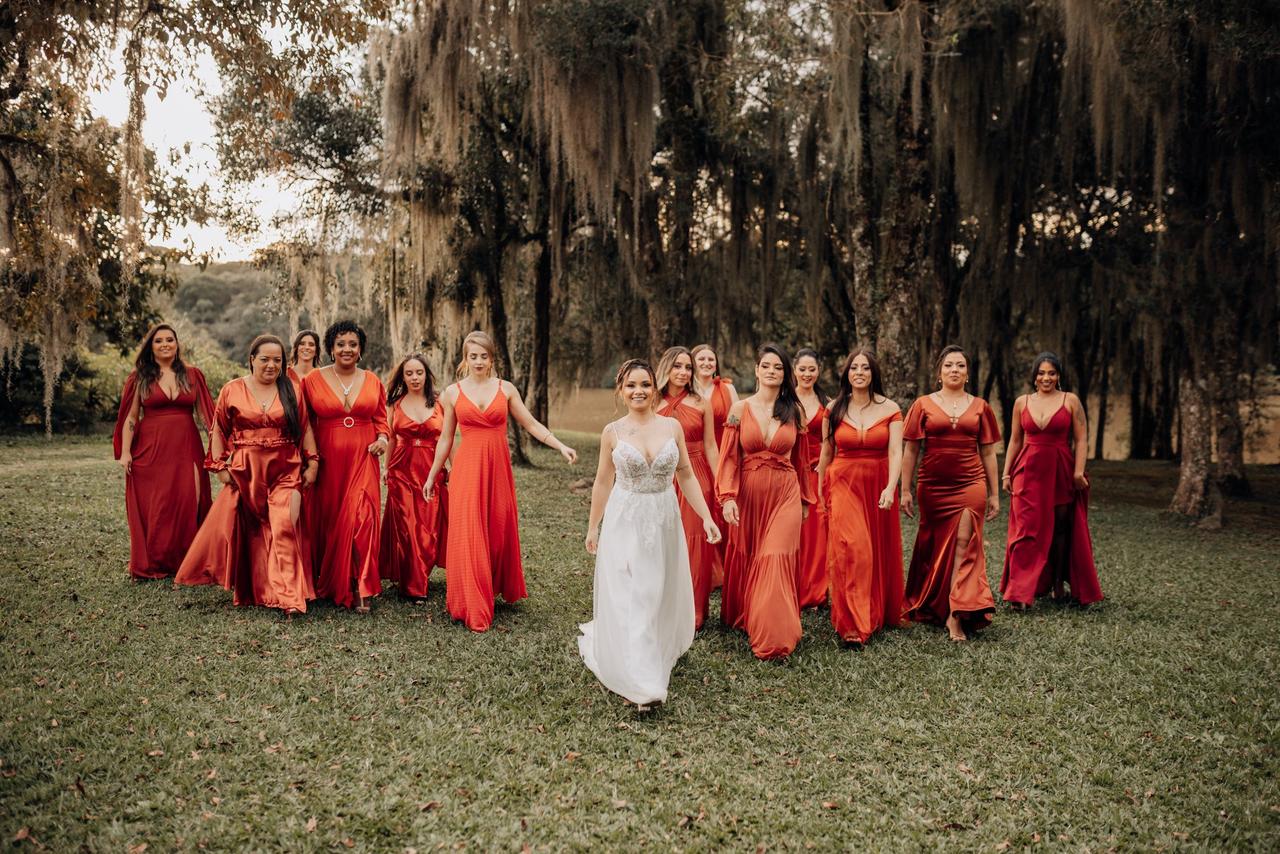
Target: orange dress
(811,572)
(483,541)
(769,483)
(249,543)
(1042,482)
(721,403)
(342,510)
(704,559)
(413,528)
(950,483)
(864,543)
(166,493)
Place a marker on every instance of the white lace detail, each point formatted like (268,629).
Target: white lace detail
(636,474)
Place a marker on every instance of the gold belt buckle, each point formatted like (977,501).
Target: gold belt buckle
(348,422)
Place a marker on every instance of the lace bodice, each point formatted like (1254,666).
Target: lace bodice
(636,474)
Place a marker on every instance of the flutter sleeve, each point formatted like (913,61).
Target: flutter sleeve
(204,400)
(800,461)
(728,475)
(913,430)
(126,404)
(988,427)
(379,418)
(220,428)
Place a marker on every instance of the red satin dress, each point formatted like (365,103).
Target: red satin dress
(770,485)
(249,543)
(166,493)
(342,510)
(1042,482)
(864,543)
(413,528)
(704,557)
(811,573)
(483,540)
(950,482)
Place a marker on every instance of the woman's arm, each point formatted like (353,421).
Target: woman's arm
(709,434)
(692,490)
(445,445)
(391,441)
(126,441)
(310,454)
(1080,438)
(600,490)
(533,426)
(993,486)
(728,473)
(895,465)
(910,456)
(825,458)
(1012,449)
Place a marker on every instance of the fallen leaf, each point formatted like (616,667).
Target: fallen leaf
(571,755)
(618,803)
(830,805)
(138,849)
(1004,846)
(429,806)
(311,825)
(24,833)
(155,752)
(349,842)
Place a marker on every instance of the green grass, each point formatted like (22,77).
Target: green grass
(145,714)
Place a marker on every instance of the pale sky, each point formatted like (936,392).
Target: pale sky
(182,118)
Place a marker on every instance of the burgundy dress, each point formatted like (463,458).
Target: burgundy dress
(166,493)
(1042,482)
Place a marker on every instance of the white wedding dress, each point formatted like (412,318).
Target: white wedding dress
(642,614)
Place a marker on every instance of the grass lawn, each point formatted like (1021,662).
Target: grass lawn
(140,714)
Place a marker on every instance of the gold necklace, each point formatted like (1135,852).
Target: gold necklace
(955,415)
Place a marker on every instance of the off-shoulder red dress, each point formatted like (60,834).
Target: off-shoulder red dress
(951,484)
(413,528)
(166,492)
(769,484)
(343,508)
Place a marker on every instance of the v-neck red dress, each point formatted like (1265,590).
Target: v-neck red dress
(483,543)
(811,572)
(166,493)
(950,484)
(413,528)
(704,558)
(770,485)
(1042,483)
(343,508)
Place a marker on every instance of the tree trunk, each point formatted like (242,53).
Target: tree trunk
(1197,494)
(1105,382)
(1227,423)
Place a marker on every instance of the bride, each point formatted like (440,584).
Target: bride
(642,617)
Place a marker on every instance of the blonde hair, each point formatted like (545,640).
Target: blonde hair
(484,342)
(667,362)
(693,354)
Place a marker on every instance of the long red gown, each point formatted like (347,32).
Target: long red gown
(413,528)
(704,558)
(864,543)
(811,572)
(1042,482)
(483,540)
(249,543)
(950,483)
(721,403)
(770,486)
(166,493)
(342,510)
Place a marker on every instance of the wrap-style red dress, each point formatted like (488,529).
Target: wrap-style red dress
(811,572)
(951,483)
(483,541)
(413,527)
(721,403)
(249,543)
(770,485)
(166,493)
(704,557)
(342,509)
(864,543)
(1042,483)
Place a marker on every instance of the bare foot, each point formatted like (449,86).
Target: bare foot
(956,631)
(362,607)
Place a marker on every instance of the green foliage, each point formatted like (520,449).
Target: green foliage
(231,303)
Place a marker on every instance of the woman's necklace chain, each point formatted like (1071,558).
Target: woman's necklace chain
(346,387)
(956,410)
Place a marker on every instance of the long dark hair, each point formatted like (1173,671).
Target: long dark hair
(297,339)
(1051,358)
(841,405)
(149,369)
(284,387)
(942,357)
(787,407)
(397,388)
(812,354)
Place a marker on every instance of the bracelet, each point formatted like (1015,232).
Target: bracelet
(215,465)
(311,456)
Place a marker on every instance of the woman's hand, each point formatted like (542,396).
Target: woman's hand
(709,528)
(886,498)
(126,462)
(1081,481)
(224,477)
(804,512)
(309,474)
(730,512)
(593,540)
(1006,483)
(908,504)
(993,506)
(427,489)
(378,446)
(569,454)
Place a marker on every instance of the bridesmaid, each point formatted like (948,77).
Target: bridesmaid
(414,523)
(348,407)
(483,541)
(858,475)
(695,414)
(166,491)
(1049,543)
(250,543)
(710,386)
(305,355)
(764,491)
(811,574)
(947,582)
